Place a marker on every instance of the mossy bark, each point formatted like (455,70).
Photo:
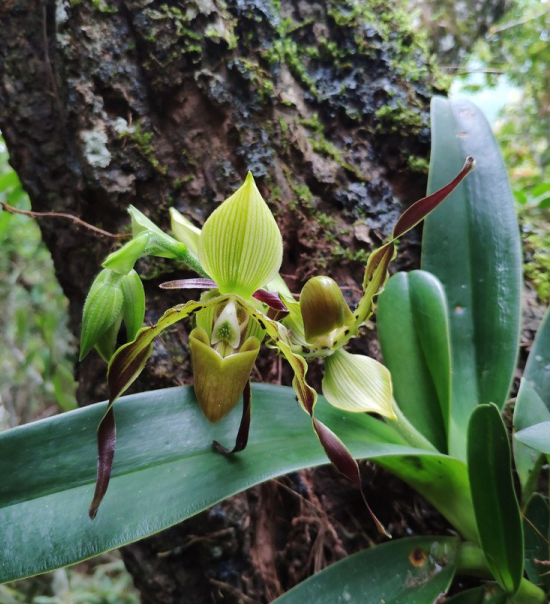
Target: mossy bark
(104,103)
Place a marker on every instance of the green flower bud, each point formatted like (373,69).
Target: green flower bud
(323,309)
(102,309)
(219,382)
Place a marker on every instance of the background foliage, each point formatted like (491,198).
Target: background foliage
(36,346)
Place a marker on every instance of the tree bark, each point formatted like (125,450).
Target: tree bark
(157,104)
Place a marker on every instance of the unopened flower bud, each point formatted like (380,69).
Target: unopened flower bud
(323,308)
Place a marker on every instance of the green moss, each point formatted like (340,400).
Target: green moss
(344,253)
(102,7)
(536,243)
(258,78)
(286,50)
(325,221)
(398,118)
(142,139)
(313,123)
(418,164)
(179,182)
(303,194)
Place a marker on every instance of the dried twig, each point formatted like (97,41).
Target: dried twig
(76,219)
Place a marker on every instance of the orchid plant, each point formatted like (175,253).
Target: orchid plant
(237,255)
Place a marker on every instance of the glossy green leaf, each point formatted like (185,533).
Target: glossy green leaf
(165,470)
(495,503)
(416,570)
(414,337)
(354,382)
(471,244)
(529,411)
(537,370)
(536,527)
(536,437)
(533,406)
(488,594)
(240,245)
(470,596)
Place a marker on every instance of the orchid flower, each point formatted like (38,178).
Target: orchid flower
(238,254)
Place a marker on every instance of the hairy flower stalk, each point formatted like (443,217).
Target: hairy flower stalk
(238,254)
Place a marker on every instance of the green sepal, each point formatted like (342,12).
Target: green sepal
(219,382)
(357,383)
(240,245)
(106,345)
(103,307)
(159,244)
(123,260)
(133,307)
(185,231)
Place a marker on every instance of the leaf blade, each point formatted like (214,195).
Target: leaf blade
(405,335)
(478,260)
(495,504)
(160,469)
(416,569)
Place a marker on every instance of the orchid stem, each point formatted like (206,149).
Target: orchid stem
(405,429)
(472,562)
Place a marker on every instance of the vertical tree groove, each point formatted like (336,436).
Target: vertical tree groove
(161,104)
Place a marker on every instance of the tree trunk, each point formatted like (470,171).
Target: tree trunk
(115,102)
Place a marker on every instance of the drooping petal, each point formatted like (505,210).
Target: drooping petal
(219,382)
(244,428)
(307,397)
(185,231)
(125,366)
(240,245)
(357,383)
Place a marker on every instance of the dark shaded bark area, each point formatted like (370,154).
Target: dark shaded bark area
(161,104)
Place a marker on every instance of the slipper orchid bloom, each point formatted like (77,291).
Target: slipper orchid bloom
(238,254)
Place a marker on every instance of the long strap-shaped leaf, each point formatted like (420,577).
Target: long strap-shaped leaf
(416,570)
(471,244)
(124,368)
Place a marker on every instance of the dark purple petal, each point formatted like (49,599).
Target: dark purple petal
(198,283)
(272,299)
(106,441)
(343,461)
(242,434)
(419,210)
